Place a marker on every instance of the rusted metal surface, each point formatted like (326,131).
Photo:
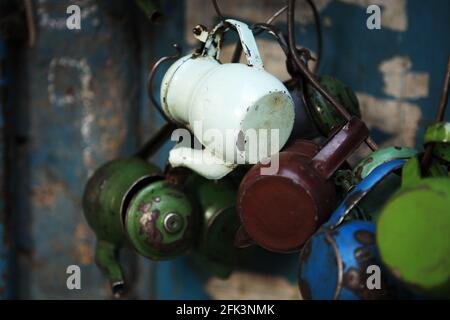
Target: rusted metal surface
(106,196)
(340,147)
(333,263)
(281,211)
(382,155)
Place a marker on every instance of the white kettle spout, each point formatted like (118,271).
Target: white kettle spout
(202,162)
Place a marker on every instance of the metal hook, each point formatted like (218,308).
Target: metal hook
(310,77)
(217,9)
(30,23)
(151,74)
(276,15)
(158,139)
(238,50)
(318,27)
(273,30)
(318,33)
(426,159)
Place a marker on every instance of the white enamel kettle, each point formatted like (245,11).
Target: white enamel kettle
(240,113)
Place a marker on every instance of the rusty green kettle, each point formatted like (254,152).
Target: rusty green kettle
(214,249)
(130,201)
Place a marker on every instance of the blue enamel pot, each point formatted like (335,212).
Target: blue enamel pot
(341,258)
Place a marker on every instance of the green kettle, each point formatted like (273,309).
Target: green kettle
(129,201)
(214,249)
(413,233)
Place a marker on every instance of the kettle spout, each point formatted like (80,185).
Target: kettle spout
(107,259)
(202,162)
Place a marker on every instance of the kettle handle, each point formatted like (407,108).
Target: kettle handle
(339,147)
(213,42)
(361,189)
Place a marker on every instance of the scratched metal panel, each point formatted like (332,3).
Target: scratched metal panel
(80,92)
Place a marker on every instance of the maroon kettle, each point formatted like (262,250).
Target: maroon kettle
(281,211)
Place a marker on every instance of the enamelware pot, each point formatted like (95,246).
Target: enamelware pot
(280,211)
(324,115)
(230,99)
(214,251)
(129,201)
(382,155)
(334,262)
(413,233)
(439,134)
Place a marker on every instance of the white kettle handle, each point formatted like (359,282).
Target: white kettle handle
(248,42)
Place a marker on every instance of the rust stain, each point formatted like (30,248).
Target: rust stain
(84,253)
(45,195)
(81,231)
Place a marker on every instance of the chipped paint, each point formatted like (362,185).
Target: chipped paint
(84,254)
(251,286)
(85,97)
(248,11)
(273,56)
(45,195)
(400,81)
(398,118)
(393,13)
(60,96)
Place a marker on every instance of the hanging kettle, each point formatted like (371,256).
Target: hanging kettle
(226,106)
(439,135)
(214,251)
(129,200)
(333,263)
(281,210)
(412,233)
